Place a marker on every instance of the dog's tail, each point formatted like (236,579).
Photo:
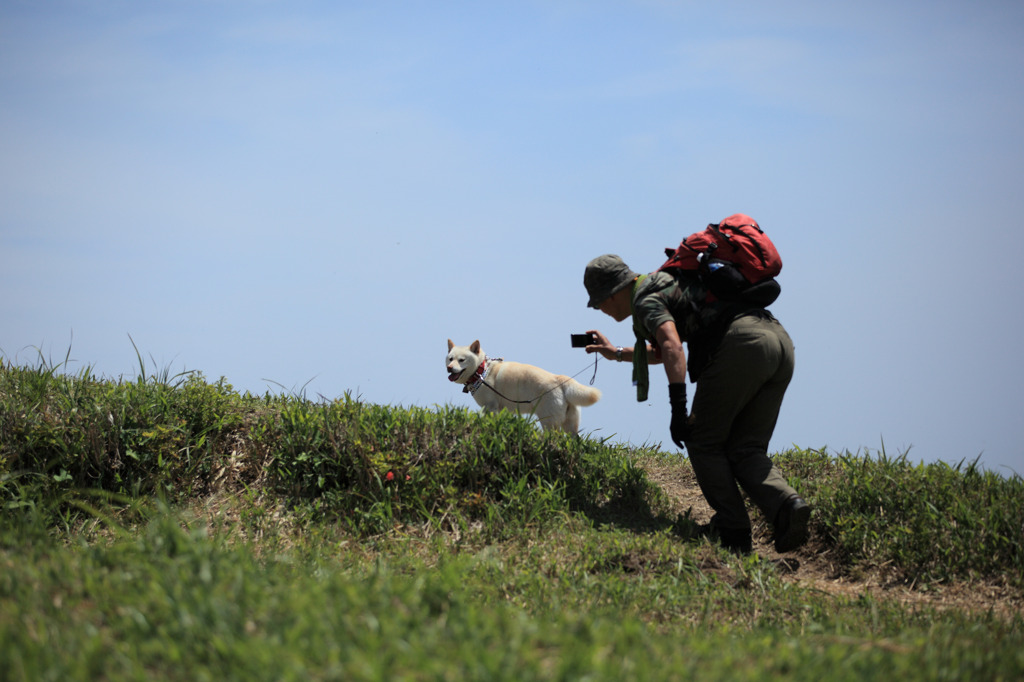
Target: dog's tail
(579,395)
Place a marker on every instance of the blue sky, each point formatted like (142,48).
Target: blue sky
(317,195)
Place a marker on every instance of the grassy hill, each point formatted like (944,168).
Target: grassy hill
(167,527)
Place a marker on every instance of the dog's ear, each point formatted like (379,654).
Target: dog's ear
(475,347)
(450,344)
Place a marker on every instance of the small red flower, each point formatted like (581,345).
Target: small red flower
(390,476)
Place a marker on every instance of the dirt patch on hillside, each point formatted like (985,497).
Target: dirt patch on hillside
(819,569)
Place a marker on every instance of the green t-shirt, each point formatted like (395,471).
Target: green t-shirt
(661,297)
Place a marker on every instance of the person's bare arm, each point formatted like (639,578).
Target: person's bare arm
(672,354)
(610,351)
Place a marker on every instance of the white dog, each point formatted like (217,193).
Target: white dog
(496,384)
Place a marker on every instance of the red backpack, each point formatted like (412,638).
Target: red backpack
(734,259)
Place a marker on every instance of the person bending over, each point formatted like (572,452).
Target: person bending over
(741,360)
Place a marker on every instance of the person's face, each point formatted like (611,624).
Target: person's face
(616,307)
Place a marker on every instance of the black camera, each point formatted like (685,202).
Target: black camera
(582,340)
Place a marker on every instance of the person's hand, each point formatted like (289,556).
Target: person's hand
(601,345)
(680,425)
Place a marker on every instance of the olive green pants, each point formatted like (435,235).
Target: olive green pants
(735,408)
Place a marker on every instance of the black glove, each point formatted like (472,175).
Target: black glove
(680,426)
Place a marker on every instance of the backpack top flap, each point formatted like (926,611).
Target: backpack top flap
(738,240)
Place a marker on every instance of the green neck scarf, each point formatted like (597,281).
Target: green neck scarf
(641,378)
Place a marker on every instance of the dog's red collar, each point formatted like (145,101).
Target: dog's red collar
(478,378)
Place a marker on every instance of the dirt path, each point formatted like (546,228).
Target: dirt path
(819,571)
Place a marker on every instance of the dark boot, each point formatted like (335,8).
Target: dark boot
(791,525)
(736,540)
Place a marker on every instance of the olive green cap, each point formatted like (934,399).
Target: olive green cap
(605,276)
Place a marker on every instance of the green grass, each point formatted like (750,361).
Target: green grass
(166,527)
